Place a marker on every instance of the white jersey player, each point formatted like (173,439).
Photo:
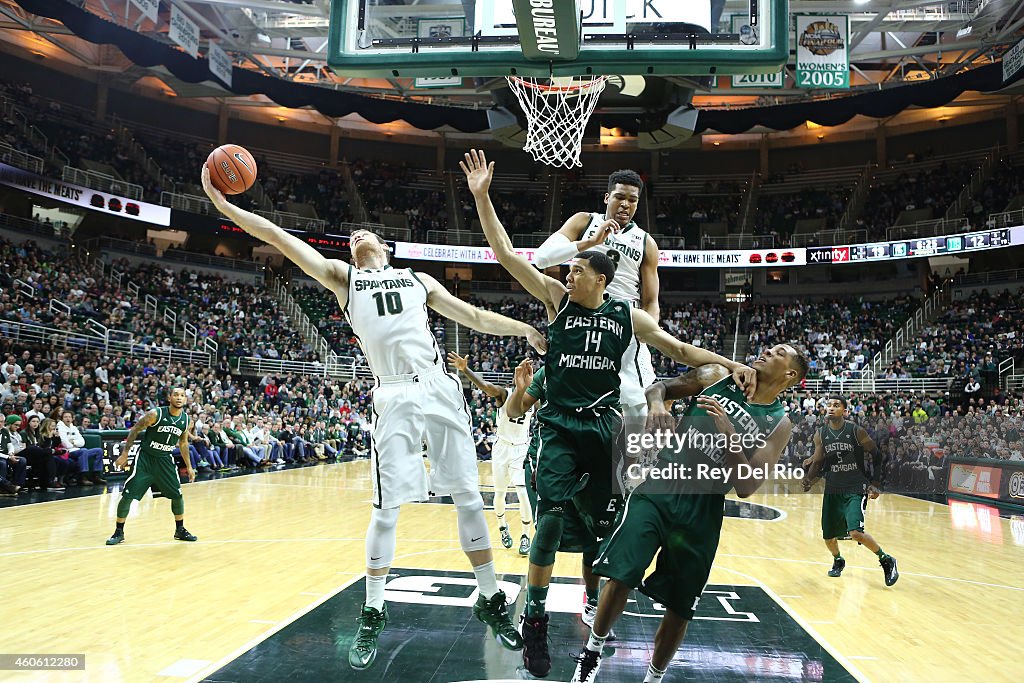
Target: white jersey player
(635,254)
(415,402)
(508,457)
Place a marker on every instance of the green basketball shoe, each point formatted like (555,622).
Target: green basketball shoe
(364,646)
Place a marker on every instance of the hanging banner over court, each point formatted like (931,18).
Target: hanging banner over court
(1013,61)
(184,31)
(149,8)
(84,196)
(220,63)
(746,258)
(548,29)
(822,51)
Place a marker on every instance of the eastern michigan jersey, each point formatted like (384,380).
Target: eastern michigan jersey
(585,348)
(843,468)
(515,430)
(163,437)
(704,445)
(387,308)
(626,249)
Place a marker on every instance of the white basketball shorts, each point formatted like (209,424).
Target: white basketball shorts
(507,462)
(408,411)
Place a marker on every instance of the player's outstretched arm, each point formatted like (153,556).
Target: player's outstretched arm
(688,384)
(565,243)
(813,464)
(478,176)
(461,363)
(647,331)
(330,273)
(488,322)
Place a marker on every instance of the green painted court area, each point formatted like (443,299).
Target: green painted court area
(740,634)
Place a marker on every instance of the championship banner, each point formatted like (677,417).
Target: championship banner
(184,31)
(84,196)
(822,51)
(1013,61)
(746,258)
(149,8)
(220,63)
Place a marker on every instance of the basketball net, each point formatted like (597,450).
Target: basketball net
(557,112)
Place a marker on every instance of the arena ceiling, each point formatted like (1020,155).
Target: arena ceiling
(893,42)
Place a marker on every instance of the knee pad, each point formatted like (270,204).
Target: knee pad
(381,538)
(178,505)
(546,537)
(473,534)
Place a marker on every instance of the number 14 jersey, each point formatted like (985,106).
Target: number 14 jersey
(387,308)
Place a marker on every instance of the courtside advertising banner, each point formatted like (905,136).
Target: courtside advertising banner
(749,258)
(85,197)
(822,51)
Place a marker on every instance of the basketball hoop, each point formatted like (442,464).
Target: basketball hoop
(557,113)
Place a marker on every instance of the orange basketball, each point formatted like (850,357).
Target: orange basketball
(232,169)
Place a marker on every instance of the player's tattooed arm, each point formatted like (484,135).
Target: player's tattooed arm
(461,363)
(813,464)
(183,450)
(691,383)
(331,273)
(148,420)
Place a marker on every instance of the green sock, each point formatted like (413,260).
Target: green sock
(592,594)
(880,553)
(837,556)
(536,597)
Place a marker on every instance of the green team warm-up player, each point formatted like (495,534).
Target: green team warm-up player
(839,448)
(588,333)
(162,430)
(680,513)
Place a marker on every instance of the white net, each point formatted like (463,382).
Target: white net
(557,113)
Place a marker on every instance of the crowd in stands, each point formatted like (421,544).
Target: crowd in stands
(243,319)
(933,188)
(387,188)
(840,336)
(1005,184)
(778,214)
(673,213)
(968,341)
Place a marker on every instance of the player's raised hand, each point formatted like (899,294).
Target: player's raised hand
(460,363)
(537,341)
(604,231)
(523,375)
(215,195)
(746,380)
(478,172)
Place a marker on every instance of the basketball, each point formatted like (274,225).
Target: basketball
(232,169)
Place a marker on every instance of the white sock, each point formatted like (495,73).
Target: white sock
(653,675)
(375,591)
(501,521)
(596,642)
(486,579)
(526,529)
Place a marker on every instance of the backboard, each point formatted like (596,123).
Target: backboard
(462,38)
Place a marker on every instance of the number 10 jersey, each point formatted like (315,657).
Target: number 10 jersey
(387,308)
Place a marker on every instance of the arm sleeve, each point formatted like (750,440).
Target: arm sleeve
(555,251)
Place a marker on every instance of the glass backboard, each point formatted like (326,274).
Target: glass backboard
(438,38)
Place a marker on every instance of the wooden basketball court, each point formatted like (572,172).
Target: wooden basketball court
(271,589)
